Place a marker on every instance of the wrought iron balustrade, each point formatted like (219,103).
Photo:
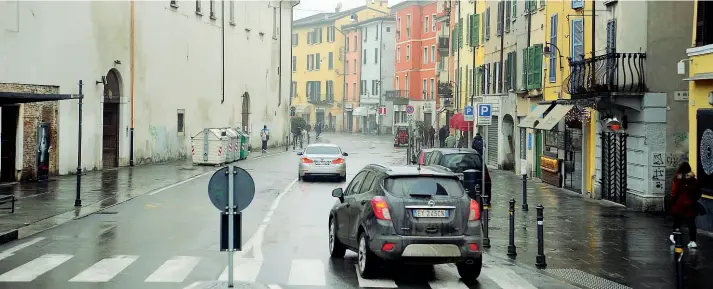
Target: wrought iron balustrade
(321,99)
(445,90)
(612,73)
(395,94)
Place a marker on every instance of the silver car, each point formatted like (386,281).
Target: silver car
(322,160)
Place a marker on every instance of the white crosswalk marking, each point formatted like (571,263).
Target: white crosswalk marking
(175,269)
(374,283)
(11,251)
(244,270)
(308,272)
(506,278)
(33,269)
(105,270)
(446,279)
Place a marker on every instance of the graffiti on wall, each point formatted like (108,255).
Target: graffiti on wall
(680,140)
(676,158)
(657,162)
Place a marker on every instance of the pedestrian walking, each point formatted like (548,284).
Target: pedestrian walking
(477,144)
(462,141)
(684,201)
(450,141)
(442,134)
(432,135)
(264,136)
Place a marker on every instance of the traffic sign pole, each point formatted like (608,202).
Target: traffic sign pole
(231,240)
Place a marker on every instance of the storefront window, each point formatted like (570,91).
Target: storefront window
(553,139)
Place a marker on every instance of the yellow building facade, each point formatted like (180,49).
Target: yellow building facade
(562,19)
(700,80)
(318,67)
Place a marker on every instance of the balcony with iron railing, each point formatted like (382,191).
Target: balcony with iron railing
(609,74)
(395,94)
(321,99)
(443,45)
(445,90)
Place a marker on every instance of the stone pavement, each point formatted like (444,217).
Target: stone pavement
(52,202)
(586,239)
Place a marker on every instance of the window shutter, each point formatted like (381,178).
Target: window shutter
(611,36)
(487,31)
(507,15)
(537,69)
(525,67)
(507,73)
(500,18)
(577,39)
(468,39)
(475,31)
(484,24)
(513,70)
(454,39)
(460,32)
(514,9)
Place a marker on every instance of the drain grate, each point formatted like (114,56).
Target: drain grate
(585,279)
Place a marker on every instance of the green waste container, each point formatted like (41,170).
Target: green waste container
(243,144)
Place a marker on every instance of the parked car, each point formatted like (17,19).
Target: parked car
(322,160)
(457,160)
(406,214)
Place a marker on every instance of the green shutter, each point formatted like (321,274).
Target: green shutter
(506,85)
(470,23)
(454,40)
(525,64)
(514,9)
(475,31)
(537,69)
(460,32)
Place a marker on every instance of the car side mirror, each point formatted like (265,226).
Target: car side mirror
(338,193)
(300,153)
(345,154)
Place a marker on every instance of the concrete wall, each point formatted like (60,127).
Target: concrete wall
(177,66)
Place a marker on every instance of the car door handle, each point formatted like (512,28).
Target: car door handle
(363,202)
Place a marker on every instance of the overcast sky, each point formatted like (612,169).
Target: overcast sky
(311,7)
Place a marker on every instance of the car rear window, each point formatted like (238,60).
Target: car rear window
(461,162)
(322,150)
(434,186)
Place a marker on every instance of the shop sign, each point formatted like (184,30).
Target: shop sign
(549,164)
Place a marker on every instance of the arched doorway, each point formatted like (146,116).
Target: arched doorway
(508,128)
(111,117)
(245,122)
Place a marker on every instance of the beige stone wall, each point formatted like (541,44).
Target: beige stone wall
(33,114)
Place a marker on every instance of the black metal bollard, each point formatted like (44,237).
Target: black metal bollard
(678,256)
(524,193)
(287,142)
(511,245)
(540,258)
(485,216)
(294,141)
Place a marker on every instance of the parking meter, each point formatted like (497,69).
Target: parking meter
(470,179)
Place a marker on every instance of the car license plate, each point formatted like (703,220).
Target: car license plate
(321,163)
(419,213)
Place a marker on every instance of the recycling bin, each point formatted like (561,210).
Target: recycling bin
(207,147)
(244,140)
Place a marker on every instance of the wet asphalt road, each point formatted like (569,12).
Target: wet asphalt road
(170,240)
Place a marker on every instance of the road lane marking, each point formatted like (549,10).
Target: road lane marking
(33,269)
(201,175)
(11,251)
(255,242)
(175,269)
(274,286)
(244,270)
(374,283)
(105,270)
(307,272)
(445,279)
(506,278)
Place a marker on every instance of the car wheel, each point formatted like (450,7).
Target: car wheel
(336,248)
(470,272)
(367,261)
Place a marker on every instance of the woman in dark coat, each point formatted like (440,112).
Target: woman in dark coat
(684,198)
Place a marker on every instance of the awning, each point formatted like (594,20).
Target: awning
(23,97)
(554,117)
(303,108)
(534,115)
(700,76)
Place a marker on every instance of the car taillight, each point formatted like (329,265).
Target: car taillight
(381,208)
(338,161)
(474,211)
(307,161)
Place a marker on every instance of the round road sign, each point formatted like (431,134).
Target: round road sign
(409,109)
(243,188)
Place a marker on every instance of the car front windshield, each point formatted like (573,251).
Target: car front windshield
(322,150)
(434,186)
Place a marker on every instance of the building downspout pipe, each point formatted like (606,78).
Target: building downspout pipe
(222,50)
(472,75)
(132,68)
(381,79)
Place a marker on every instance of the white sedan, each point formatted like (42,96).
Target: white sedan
(322,160)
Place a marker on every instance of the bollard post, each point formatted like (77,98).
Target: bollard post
(524,193)
(678,256)
(511,245)
(294,141)
(287,143)
(540,258)
(485,216)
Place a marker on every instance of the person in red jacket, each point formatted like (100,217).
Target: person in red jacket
(684,198)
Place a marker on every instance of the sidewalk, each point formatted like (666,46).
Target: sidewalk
(52,202)
(585,238)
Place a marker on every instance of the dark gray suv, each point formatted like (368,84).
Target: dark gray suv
(406,214)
